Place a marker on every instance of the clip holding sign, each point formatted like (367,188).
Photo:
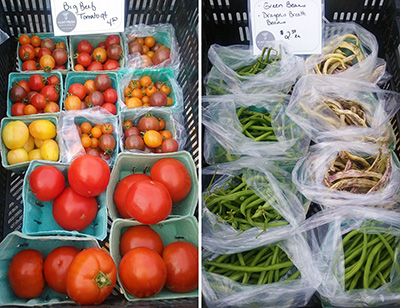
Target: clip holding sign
(76,17)
(297,22)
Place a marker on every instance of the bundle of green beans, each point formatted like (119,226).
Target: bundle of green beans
(368,259)
(269,55)
(256,125)
(237,204)
(257,266)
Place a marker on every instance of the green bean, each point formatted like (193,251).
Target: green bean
(354,270)
(368,265)
(385,242)
(250,269)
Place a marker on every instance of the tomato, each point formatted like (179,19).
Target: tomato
(161,55)
(72,102)
(112,40)
(99,54)
(86,127)
(110,96)
(166,134)
(169,146)
(72,211)
(34,154)
(107,143)
(96,132)
(96,98)
(61,45)
(60,67)
(150,90)
(39,101)
(152,139)
(142,272)
(122,189)
(30,65)
(48,43)
(148,202)
(36,82)
(102,82)
(182,261)
(53,80)
(174,175)
(56,267)
(17,93)
(107,129)
(25,85)
(93,152)
(95,66)
(85,46)
(158,99)
(165,89)
(114,52)
(50,92)
(84,59)
(145,81)
(79,68)
(26,274)
(133,102)
(134,142)
(51,107)
(148,122)
(78,90)
(127,124)
(46,182)
(149,41)
(15,134)
(140,236)
(42,129)
(27,52)
(30,109)
(111,108)
(135,47)
(29,145)
(89,175)
(91,277)
(17,156)
(47,63)
(24,39)
(89,85)
(42,52)
(111,65)
(18,109)
(131,131)
(49,150)
(60,56)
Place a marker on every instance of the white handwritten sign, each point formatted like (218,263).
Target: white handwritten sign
(75,17)
(297,22)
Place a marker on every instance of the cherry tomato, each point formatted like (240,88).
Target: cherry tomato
(47,63)
(102,82)
(79,68)
(60,56)
(174,175)
(56,267)
(111,65)
(39,101)
(84,59)
(148,202)
(91,277)
(107,129)
(95,66)
(27,52)
(46,182)
(72,102)
(114,52)
(35,41)
(89,175)
(142,272)
(148,122)
(99,54)
(145,81)
(93,152)
(25,85)
(30,65)
(134,142)
(131,131)
(43,51)
(18,109)
(107,143)
(111,108)
(122,189)
(96,98)
(102,45)
(133,102)
(36,82)
(26,274)
(166,134)
(127,124)
(30,109)
(53,80)
(112,40)
(24,39)
(140,236)
(85,46)
(51,107)
(182,261)
(61,45)
(48,43)
(169,146)
(149,41)
(78,90)
(152,139)
(50,92)
(17,93)
(110,96)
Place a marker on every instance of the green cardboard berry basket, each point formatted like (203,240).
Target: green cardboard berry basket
(38,218)
(128,163)
(15,77)
(16,242)
(56,39)
(20,167)
(183,229)
(165,75)
(82,77)
(94,39)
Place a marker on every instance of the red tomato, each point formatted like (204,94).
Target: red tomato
(36,82)
(56,267)
(95,66)
(148,202)
(142,272)
(27,52)
(85,46)
(182,261)
(71,211)
(18,109)
(39,101)
(91,277)
(53,80)
(25,85)
(111,65)
(50,92)
(84,59)
(78,90)
(174,175)
(89,175)
(140,236)
(110,108)
(47,183)
(169,145)
(112,40)
(30,65)
(26,274)
(121,190)
(110,96)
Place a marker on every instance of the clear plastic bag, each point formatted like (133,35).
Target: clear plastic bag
(163,33)
(3,36)
(278,76)
(329,108)
(312,174)
(369,68)
(222,123)
(71,145)
(270,182)
(324,232)
(221,291)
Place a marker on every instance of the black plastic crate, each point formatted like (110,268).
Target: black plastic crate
(34,16)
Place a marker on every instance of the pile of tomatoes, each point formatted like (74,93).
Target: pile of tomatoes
(105,56)
(97,92)
(149,135)
(174,266)
(145,92)
(35,95)
(98,139)
(152,52)
(44,54)
(26,143)
(64,270)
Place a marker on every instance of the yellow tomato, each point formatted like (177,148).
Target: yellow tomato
(38,142)
(15,134)
(42,129)
(30,144)
(17,156)
(34,154)
(49,150)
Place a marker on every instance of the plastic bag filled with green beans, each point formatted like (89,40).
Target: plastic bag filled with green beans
(356,252)
(276,275)
(237,70)
(249,201)
(336,174)
(254,125)
(349,51)
(329,108)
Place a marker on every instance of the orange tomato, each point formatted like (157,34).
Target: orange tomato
(165,89)
(133,102)
(140,40)
(145,81)
(135,84)
(146,49)
(149,41)
(72,102)
(151,90)
(47,63)
(95,143)
(79,68)
(24,39)
(89,85)
(86,141)
(127,125)
(152,138)
(169,101)
(30,109)
(145,100)
(150,54)
(161,124)
(96,132)
(86,127)
(166,134)
(128,92)
(99,54)
(61,45)
(137,93)
(35,41)
(107,129)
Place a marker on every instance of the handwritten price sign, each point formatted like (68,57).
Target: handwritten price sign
(297,22)
(75,17)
